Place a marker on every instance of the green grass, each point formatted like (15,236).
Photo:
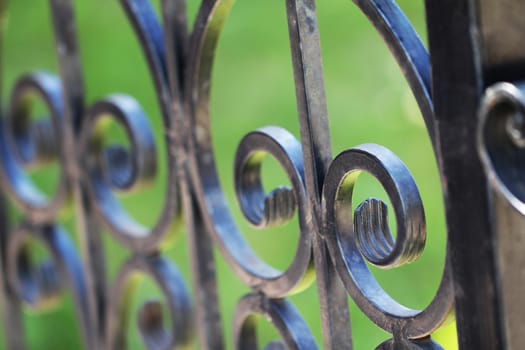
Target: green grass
(368,102)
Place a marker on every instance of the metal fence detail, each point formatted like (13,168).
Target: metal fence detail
(478,138)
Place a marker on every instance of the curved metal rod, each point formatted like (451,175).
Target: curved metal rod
(347,247)
(154,333)
(149,32)
(420,344)
(315,138)
(116,168)
(408,50)
(152,41)
(25,143)
(370,224)
(501,146)
(176,43)
(73,97)
(252,270)
(37,286)
(166,61)
(281,313)
(501,140)
(261,209)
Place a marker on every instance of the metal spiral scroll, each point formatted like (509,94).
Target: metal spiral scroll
(334,243)
(350,241)
(137,168)
(29,144)
(115,168)
(138,163)
(39,286)
(152,328)
(97,171)
(26,144)
(288,321)
(260,209)
(372,237)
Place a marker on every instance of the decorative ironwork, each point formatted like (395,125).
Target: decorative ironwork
(336,243)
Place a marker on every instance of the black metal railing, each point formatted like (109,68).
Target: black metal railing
(477,133)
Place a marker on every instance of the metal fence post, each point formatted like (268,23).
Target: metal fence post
(474,44)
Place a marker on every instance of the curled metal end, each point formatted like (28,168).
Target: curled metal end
(118,166)
(48,281)
(151,326)
(44,136)
(35,141)
(123,166)
(374,238)
(515,128)
(29,143)
(40,285)
(365,236)
(279,207)
(162,324)
(501,139)
(38,281)
(370,231)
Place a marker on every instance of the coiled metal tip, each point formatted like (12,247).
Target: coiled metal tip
(279,207)
(374,238)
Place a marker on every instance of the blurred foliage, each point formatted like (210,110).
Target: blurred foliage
(368,101)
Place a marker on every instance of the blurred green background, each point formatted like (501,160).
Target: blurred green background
(368,102)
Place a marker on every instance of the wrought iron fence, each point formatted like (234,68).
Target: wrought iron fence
(478,139)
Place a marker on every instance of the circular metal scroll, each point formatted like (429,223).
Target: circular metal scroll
(152,328)
(27,143)
(114,168)
(182,83)
(501,139)
(39,286)
(350,242)
(260,209)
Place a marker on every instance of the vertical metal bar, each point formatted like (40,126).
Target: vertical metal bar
(502,29)
(509,230)
(88,234)
(472,43)
(207,315)
(333,301)
(457,83)
(315,136)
